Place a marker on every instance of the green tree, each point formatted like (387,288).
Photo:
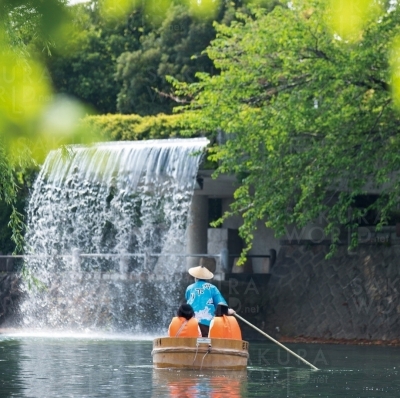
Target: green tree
(174,48)
(85,68)
(147,49)
(308,116)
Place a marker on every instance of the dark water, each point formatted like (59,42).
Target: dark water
(63,366)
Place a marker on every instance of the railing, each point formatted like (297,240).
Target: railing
(7,262)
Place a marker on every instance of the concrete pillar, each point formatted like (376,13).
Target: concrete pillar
(218,244)
(197,229)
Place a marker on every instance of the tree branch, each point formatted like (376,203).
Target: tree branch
(172,97)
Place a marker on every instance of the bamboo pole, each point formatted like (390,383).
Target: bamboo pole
(275,341)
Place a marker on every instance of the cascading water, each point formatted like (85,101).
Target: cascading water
(129,200)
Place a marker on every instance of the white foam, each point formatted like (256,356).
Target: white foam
(70,334)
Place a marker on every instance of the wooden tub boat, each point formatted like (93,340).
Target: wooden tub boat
(200,353)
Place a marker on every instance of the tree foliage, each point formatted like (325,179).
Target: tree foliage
(308,105)
(85,68)
(174,48)
(309,116)
(134,127)
(23,87)
(121,64)
(32,119)
(79,45)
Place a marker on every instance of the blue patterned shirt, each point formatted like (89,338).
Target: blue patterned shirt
(204,298)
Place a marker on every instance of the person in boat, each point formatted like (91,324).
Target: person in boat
(203,297)
(224,326)
(184,324)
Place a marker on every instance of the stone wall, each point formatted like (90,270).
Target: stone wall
(350,296)
(246,294)
(9,296)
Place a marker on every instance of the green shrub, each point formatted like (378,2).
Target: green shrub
(134,127)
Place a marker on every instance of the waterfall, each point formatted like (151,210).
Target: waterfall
(126,200)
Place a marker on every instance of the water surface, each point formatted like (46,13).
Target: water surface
(121,366)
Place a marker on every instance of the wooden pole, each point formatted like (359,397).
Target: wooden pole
(275,341)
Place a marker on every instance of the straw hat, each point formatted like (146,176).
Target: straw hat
(201,272)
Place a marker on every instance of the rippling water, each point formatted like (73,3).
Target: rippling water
(121,366)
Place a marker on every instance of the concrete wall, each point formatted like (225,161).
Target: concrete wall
(351,296)
(223,188)
(264,238)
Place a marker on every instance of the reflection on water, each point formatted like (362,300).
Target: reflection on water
(55,367)
(193,384)
(42,366)
(10,359)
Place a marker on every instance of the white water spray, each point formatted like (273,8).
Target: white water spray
(113,198)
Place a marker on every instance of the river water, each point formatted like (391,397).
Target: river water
(87,365)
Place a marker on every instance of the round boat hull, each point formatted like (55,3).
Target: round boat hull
(201,353)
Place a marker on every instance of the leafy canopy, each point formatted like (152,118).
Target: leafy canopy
(120,65)
(309,115)
(173,48)
(85,67)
